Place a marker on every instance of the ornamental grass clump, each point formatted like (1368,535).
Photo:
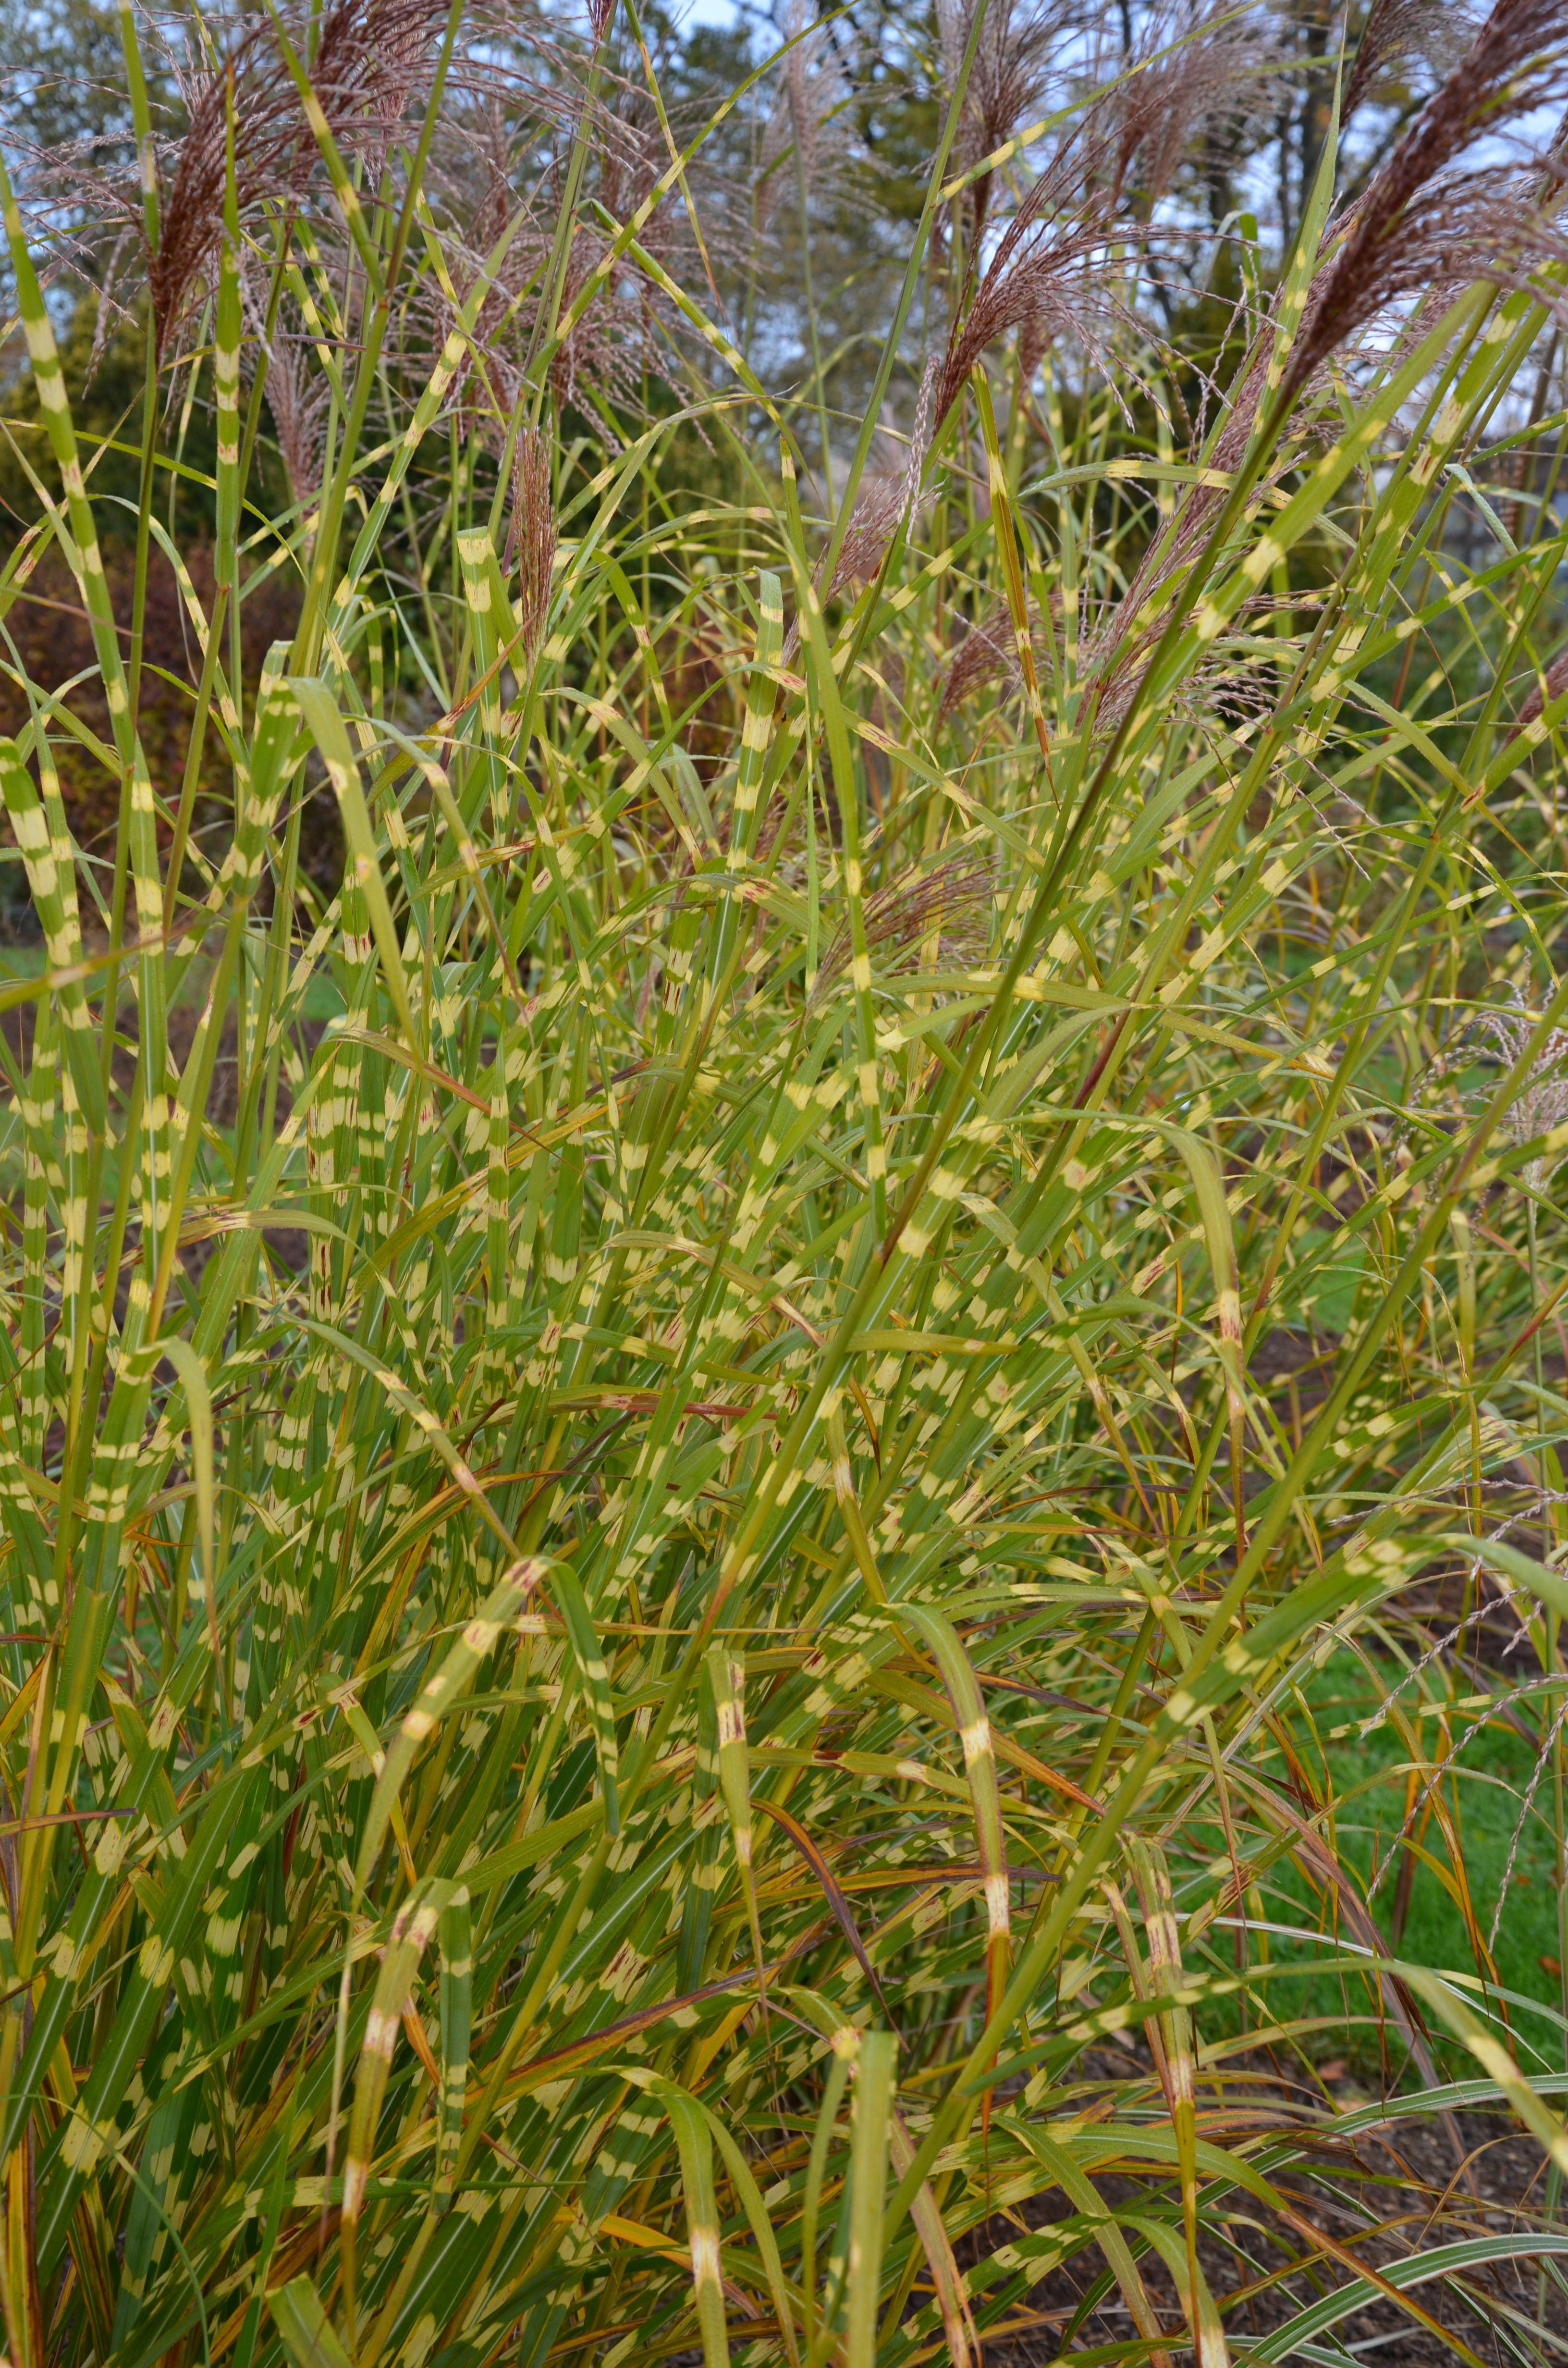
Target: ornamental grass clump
(782,1497)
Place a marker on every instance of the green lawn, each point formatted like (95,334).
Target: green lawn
(1484,1805)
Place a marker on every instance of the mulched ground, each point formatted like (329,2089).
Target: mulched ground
(1377,2198)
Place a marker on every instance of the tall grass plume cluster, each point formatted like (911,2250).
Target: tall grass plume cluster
(699,1441)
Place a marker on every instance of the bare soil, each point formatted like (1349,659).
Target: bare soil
(1359,2202)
